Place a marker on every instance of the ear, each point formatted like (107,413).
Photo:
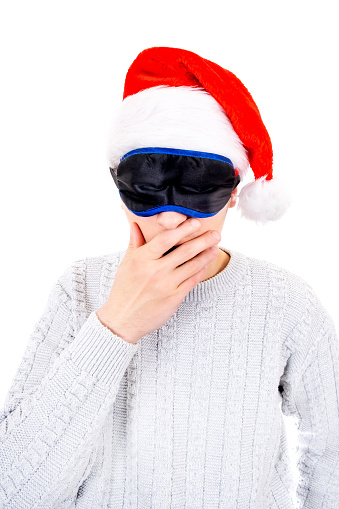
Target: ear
(233,199)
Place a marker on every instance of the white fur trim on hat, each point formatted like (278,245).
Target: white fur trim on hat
(264,200)
(187,118)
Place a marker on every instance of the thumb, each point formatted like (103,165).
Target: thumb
(136,238)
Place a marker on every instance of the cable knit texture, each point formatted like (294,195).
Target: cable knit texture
(192,416)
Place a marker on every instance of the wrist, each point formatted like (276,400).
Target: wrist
(104,320)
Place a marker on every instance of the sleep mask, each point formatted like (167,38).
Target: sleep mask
(152,180)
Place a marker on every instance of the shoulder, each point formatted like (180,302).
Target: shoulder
(92,268)
(302,302)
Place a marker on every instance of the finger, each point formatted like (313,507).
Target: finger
(186,286)
(193,265)
(161,243)
(190,249)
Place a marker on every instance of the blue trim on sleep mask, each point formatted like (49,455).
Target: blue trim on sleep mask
(152,180)
(191,153)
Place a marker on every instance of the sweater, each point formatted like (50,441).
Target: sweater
(190,417)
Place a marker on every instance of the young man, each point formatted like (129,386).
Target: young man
(158,376)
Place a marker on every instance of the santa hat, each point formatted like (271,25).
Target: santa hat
(173,98)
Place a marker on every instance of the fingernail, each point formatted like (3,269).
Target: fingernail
(216,235)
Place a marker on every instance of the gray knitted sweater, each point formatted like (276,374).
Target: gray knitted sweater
(189,418)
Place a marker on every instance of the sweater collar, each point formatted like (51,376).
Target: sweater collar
(221,282)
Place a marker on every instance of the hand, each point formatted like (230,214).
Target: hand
(148,287)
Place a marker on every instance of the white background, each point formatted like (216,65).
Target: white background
(62,74)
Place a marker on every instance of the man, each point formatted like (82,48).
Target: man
(157,376)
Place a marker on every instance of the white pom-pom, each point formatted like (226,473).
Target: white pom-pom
(264,200)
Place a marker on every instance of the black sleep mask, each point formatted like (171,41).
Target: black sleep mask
(152,180)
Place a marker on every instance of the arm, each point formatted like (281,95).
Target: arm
(311,394)
(63,390)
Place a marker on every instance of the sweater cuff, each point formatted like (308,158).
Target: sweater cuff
(98,351)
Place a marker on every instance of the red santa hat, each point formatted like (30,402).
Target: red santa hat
(174,98)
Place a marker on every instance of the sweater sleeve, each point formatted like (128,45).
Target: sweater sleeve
(56,406)
(311,395)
